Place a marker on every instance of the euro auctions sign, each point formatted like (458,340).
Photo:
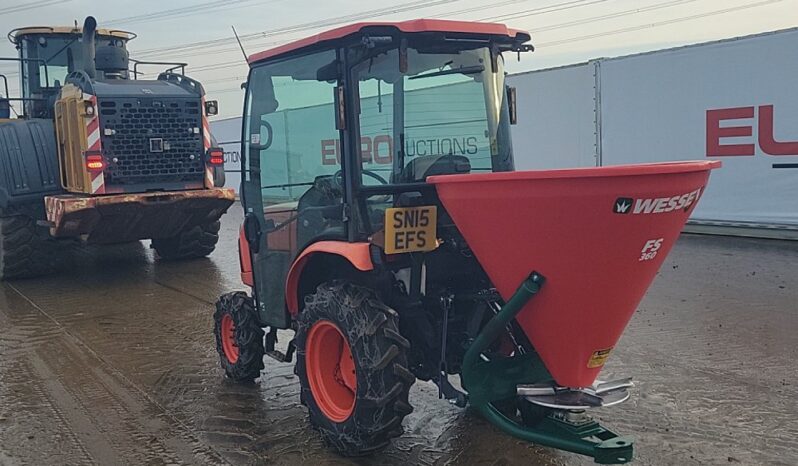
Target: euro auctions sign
(730,132)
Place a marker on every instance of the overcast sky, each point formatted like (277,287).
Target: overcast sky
(563,31)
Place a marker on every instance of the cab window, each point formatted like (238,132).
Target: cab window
(290,126)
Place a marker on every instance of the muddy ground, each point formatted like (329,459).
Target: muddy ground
(113,362)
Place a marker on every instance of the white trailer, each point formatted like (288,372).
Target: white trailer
(732,100)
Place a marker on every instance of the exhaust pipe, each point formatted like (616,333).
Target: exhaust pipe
(89,28)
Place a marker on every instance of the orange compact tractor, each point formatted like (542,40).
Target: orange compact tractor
(385,225)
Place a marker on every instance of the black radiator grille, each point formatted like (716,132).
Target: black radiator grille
(149,141)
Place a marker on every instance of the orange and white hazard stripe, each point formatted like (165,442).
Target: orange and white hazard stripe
(94,144)
(206,144)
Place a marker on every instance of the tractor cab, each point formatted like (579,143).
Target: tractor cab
(341,127)
(47,55)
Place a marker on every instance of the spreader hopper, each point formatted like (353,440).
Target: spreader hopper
(598,235)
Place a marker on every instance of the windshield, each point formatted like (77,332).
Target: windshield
(445,113)
(51,57)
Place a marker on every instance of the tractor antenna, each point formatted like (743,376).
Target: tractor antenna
(240,44)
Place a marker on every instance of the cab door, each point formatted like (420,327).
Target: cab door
(291,170)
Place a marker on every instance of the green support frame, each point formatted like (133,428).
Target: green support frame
(490,381)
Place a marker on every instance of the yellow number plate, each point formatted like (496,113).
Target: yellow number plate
(411,229)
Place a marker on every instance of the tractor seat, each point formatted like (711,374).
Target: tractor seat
(420,168)
(314,223)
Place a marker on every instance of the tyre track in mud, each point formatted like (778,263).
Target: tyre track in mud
(109,418)
(24,392)
(175,381)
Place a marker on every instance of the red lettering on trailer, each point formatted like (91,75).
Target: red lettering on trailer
(378,150)
(329,152)
(386,157)
(765,124)
(767,140)
(715,132)
(365,148)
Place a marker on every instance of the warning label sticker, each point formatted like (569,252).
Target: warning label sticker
(598,358)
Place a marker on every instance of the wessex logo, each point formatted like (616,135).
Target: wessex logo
(622,205)
(659,205)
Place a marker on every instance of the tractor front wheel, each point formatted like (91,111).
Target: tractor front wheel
(193,243)
(352,368)
(26,250)
(239,337)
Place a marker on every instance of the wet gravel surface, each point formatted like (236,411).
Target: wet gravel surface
(113,362)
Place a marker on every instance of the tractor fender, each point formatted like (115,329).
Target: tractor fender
(357,254)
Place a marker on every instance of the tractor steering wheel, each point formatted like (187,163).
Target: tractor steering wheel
(338,178)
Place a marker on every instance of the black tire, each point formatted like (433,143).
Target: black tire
(193,243)
(246,335)
(219,177)
(26,250)
(379,353)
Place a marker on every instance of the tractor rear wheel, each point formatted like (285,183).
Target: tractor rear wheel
(352,367)
(193,243)
(239,337)
(26,250)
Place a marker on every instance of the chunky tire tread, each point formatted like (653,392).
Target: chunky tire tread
(26,250)
(387,358)
(394,335)
(248,334)
(193,243)
(383,377)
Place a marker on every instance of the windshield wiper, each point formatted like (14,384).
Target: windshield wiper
(462,70)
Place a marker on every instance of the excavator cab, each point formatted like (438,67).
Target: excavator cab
(47,55)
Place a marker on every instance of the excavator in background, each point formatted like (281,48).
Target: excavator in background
(101,156)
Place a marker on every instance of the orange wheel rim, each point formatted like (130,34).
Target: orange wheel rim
(229,339)
(331,370)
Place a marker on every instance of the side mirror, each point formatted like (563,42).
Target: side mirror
(211,107)
(512,105)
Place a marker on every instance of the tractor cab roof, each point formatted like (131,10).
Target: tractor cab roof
(499,33)
(18,33)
